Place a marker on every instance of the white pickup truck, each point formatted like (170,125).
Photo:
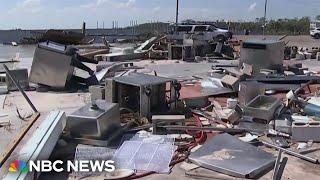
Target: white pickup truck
(315,29)
(210,32)
(315,33)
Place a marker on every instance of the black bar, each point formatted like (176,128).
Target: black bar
(19,87)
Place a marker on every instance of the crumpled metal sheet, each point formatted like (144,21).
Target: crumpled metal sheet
(229,155)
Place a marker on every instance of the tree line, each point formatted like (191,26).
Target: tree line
(296,26)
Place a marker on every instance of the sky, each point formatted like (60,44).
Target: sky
(46,14)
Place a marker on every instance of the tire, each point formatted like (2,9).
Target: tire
(220,38)
(229,35)
(317,36)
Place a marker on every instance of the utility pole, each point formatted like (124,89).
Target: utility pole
(84,28)
(264,17)
(177,12)
(116,27)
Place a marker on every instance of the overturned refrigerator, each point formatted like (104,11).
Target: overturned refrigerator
(54,66)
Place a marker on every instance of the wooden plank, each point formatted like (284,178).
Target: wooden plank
(13,144)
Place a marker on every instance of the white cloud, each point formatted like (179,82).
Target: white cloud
(31,2)
(27,6)
(156,10)
(101,2)
(252,7)
(98,6)
(130,3)
(113,3)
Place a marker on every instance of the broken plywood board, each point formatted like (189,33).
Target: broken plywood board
(44,102)
(41,143)
(8,149)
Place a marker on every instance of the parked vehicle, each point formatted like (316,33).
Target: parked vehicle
(210,32)
(315,29)
(315,33)
(14,43)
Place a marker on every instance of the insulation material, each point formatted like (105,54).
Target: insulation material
(149,138)
(85,152)
(145,156)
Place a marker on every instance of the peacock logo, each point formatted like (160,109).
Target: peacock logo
(18,166)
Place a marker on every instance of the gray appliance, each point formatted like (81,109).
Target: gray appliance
(94,121)
(175,51)
(248,90)
(142,93)
(262,54)
(21,75)
(262,107)
(188,53)
(53,65)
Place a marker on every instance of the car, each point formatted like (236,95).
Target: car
(315,33)
(210,32)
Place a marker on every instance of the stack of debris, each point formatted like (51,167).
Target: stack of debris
(195,48)
(302,53)
(254,116)
(129,53)
(147,123)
